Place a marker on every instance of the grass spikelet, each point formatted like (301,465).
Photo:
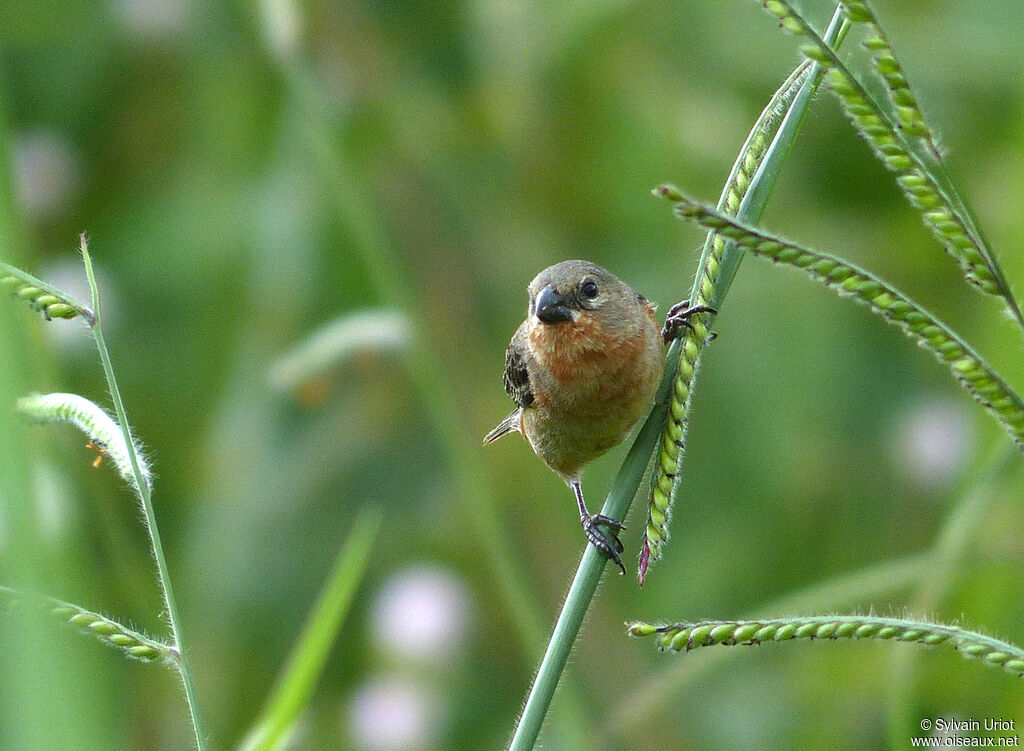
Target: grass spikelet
(40,296)
(908,112)
(130,642)
(847,280)
(682,637)
(922,181)
(103,431)
(664,478)
(670,447)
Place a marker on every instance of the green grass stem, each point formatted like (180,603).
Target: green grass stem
(149,516)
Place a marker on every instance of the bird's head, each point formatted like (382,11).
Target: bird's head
(584,295)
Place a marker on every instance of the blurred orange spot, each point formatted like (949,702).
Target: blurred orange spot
(313,393)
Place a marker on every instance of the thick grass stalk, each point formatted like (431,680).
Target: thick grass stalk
(895,308)
(922,180)
(108,631)
(686,636)
(584,584)
(149,516)
(745,195)
(629,477)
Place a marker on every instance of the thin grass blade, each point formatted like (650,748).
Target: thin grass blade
(298,678)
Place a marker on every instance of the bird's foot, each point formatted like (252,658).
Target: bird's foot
(678,316)
(607,543)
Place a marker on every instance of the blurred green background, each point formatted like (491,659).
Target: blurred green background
(249,172)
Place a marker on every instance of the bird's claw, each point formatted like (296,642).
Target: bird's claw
(607,543)
(678,316)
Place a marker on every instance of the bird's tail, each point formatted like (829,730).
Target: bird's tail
(509,425)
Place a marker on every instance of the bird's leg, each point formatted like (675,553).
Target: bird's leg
(677,319)
(608,543)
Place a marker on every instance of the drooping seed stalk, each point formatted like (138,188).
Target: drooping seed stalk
(40,296)
(687,636)
(920,174)
(103,431)
(108,631)
(641,704)
(895,308)
(908,112)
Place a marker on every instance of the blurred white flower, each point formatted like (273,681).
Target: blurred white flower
(282,25)
(935,439)
(45,172)
(387,714)
(422,613)
(153,19)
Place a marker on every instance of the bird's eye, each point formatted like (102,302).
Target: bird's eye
(589,290)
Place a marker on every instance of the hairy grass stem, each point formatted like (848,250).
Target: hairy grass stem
(149,515)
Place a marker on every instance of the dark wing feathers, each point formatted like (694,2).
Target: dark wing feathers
(517,384)
(517,379)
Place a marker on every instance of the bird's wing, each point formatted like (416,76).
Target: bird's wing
(517,379)
(517,384)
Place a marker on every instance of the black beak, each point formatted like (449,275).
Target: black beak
(551,307)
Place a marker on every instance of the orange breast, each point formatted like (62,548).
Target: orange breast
(582,348)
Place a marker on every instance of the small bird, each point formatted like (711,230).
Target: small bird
(582,369)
